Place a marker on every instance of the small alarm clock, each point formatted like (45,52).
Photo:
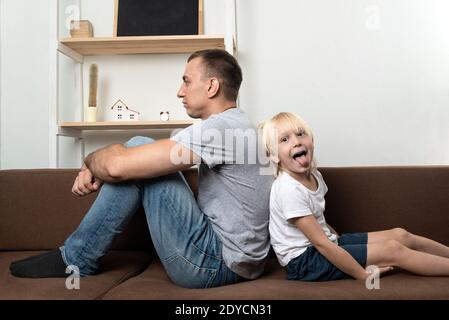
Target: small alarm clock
(165,115)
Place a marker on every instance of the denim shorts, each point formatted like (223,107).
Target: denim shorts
(311,265)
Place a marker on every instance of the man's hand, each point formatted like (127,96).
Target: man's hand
(85,183)
(101,163)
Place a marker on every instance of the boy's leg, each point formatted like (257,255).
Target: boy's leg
(183,237)
(394,253)
(410,240)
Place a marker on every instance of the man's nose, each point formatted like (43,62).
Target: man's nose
(180,93)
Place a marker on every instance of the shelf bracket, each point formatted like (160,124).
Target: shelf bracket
(70,53)
(69,132)
(231,28)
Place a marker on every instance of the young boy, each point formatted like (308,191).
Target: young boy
(300,237)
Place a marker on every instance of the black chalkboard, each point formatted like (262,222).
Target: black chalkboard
(157,17)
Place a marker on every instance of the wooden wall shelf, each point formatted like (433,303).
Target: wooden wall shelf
(126,125)
(143,45)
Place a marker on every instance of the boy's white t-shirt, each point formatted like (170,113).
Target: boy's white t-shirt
(290,199)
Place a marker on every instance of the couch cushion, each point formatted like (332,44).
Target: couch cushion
(117,266)
(153,283)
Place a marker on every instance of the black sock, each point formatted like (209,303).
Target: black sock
(47,265)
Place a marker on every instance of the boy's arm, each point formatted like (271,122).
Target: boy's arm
(335,254)
(117,163)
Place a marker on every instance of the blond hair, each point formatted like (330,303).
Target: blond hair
(270,129)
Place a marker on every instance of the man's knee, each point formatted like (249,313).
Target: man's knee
(138,141)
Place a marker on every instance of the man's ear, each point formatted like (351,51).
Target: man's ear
(214,87)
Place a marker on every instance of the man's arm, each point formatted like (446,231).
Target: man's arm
(117,163)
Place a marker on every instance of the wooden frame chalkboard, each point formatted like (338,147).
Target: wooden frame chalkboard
(158,17)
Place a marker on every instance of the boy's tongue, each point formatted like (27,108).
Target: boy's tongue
(303,161)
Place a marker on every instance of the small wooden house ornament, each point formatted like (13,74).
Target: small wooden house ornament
(123,113)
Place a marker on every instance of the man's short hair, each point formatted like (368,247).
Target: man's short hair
(219,63)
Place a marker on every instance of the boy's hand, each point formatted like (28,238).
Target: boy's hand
(85,183)
(382,271)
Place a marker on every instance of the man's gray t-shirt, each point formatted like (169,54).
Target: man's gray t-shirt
(232,191)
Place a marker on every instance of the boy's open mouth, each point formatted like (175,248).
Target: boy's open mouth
(301,159)
(299,154)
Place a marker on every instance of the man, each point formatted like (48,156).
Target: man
(221,238)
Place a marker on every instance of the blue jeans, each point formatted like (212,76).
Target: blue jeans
(188,247)
(311,265)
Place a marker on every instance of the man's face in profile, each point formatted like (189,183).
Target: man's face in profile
(194,88)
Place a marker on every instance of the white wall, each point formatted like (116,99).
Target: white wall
(24,90)
(147,83)
(0,86)
(371,77)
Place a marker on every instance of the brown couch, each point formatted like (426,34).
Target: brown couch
(38,211)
